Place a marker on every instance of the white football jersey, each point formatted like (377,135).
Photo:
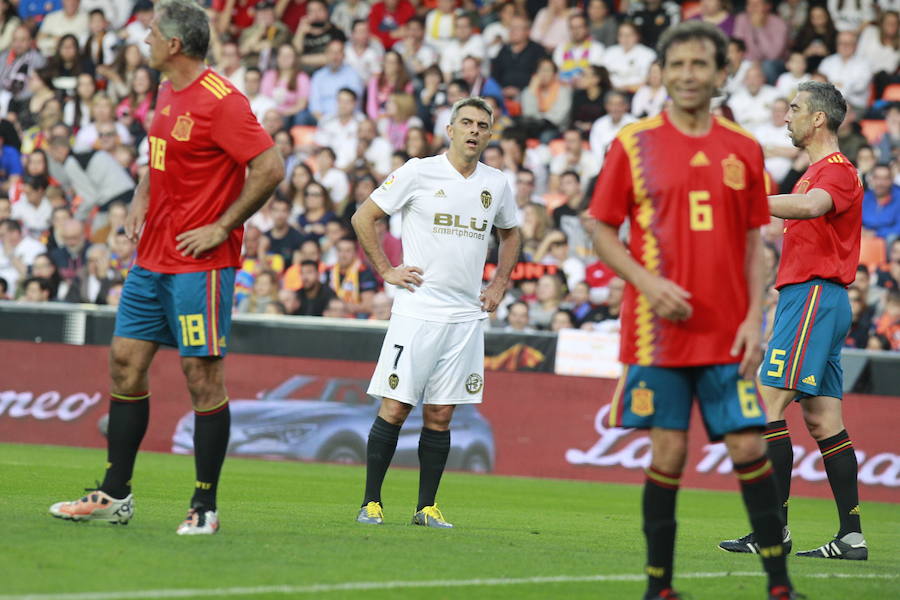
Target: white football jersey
(447,221)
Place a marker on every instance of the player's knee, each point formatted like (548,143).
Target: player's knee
(822,425)
(124,370)
(438,417)
(394,412)
(744,446)
(670,452)
(203,381)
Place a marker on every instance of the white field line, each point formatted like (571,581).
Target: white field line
(391,585)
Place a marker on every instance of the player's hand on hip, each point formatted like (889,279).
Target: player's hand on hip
(749,341)
(197,241)
(491,296)
(667,299)
(406,277)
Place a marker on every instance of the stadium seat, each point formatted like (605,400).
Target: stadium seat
(303,135)
(873,129)
(891,93)
(872,252)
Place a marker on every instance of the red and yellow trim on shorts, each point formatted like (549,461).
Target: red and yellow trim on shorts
(614,419)
(801,339)
(212,312)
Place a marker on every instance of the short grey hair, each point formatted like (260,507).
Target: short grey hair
(824,97)
(187,21)
(475,101)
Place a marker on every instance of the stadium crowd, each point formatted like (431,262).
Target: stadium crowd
(350,90)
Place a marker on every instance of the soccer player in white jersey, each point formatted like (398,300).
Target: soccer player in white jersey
(433,352)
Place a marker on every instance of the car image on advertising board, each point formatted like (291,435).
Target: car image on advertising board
(328,419)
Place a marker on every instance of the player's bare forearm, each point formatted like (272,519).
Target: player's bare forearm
(265,172)
(613,252)
(507,257)
(138,208)
(755,271)
(810,205)
(363,221)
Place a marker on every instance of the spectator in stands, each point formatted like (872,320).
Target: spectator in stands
(546,102)
(373,151)
(134,108)
(314,296)
(850,137)
(573,195)
(69,19)
(765,34)
(258,42)
(351,280)
(496,33)
(5,208)
(628,62)
(44,268)
(888,324)
(817,38)
(347,13)
(318,210)
(793,12)
(517,60)
(890,140)
(851,15)
(393,79)
(602,22)
(9,20)
(77,111)
(879,45)
(34,209)
(100,46)
(265,292)
(432,95)
(524,192)
(289,87)
(440,24)
(554,250)
(340,132)
(18,62)
(330,79)
(229,65)
(335,231)
(10,161)
(381,307)
(387,18)
(888,277)
(273,122)
(737,66)
(610,309)
(849,73)
(551,25)
(96,177)
(118,75)
(136,31)
(548,298)
(294,186)
(774,138)
(562,319)
(334,179)
(861,323)
(718,13)
(465,43)
(652,17)
(865,162)
(4,290)
(58,219)
(479,85)
(796,74)
(535,225)
(67,64)
(96,278)
(518,318)
(576,56)
(260,103)
(283,239)
(36,289)
(314,34)
(752,105)
(17,252)
(650,99)
(881,205)
(574,158)
(605,128)
(456,90)
(587,98)
(27,111)
(417,54)
(71,257)
(336,309)
(415,144)
(362,188)
(364,52)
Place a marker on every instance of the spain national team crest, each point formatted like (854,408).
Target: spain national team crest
(734,173)
(182,129)
(486,199)
(642,402)
(393,381)
(474,383)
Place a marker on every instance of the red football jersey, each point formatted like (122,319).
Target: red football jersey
(201,139)
(826,247)
(690,201)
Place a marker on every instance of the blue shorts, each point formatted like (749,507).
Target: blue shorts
(649,397)
(189,310)
(804,354)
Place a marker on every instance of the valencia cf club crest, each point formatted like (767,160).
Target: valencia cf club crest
(393,381)
(734,173)
(182,129)
(486,199)
(474,383)
(642,402)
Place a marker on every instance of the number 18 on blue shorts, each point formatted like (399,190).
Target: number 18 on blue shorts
(190,311)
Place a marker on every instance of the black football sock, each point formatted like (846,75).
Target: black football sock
(760,494)
(434,446)
(781,453)
(379,452)
(211,431)
(658,507)
(128,418)
(841,467)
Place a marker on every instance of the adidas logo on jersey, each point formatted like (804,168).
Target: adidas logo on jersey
(811,380)
(440,194)
(699,160)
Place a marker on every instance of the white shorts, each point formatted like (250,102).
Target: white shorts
(429,362)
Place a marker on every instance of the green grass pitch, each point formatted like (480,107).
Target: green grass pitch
(289,527)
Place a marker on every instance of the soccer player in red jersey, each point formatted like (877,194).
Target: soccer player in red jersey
(211,167)
(803,359)
(693,189)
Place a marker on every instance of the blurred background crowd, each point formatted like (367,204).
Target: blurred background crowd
(349,90)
